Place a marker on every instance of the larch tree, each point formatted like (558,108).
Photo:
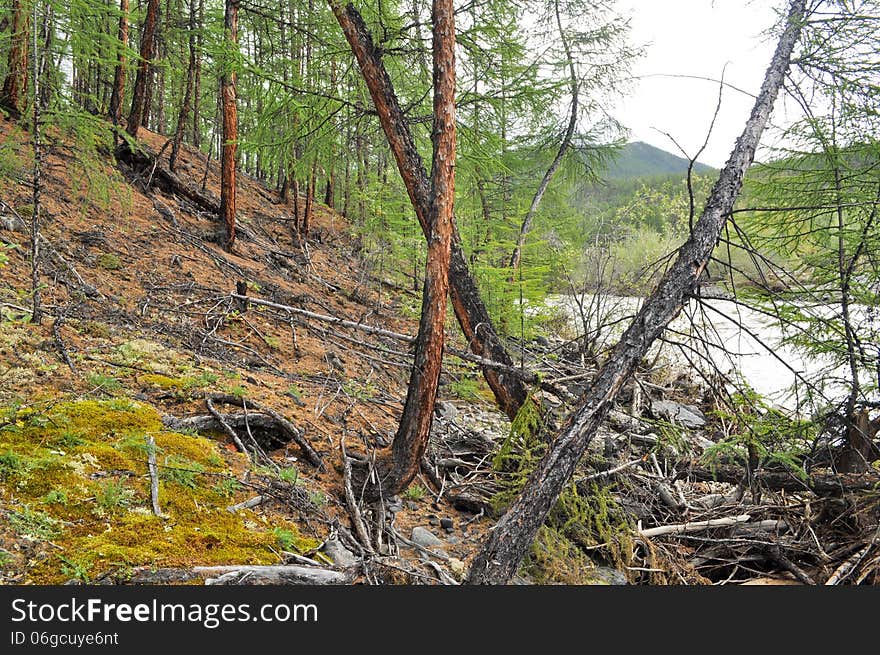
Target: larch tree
(510,539)
(473,317)
(118,92)
(230,123)
(15,84)
(414,429)
(138,100)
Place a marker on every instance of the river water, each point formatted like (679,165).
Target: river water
(737,340)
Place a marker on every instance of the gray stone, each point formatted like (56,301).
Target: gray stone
(687,416)
(425,538)
(447,524)
(340,555)
(412,505)
(609,576)
(446,410)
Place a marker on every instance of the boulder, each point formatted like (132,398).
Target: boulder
(687,416)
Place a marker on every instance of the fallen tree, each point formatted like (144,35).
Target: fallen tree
(511,538)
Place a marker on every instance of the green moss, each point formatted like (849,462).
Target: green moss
(108,261)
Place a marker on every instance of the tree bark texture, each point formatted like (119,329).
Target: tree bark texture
(118,93)
(414,429)
(469,308)
(148,37)
(15,85)
(511,538)
(230,127)
(188,91)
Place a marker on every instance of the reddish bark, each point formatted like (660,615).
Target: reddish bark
(15,86)
(412,435)
(230,128)
(474,319)
(148,37)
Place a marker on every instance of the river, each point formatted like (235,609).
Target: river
(737,340)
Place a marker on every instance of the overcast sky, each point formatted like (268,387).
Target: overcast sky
(697,38)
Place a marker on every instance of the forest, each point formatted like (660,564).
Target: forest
(385,293)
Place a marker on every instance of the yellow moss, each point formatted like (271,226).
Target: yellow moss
(198,449)
(162,382)
(98,418)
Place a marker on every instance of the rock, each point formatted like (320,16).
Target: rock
(340,555)
(433,520)
(447,524)
(687,416)
(446,410)
(412,505)
(457,567)
(395,506)
(609,576)
(542,341)
(13,224)
(425,538)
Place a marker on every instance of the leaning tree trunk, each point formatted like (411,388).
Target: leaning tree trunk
(15,85)
(564,146)
(412,435)
(469,308)
(118,93)
(136,114)
(230,127)
(509,541)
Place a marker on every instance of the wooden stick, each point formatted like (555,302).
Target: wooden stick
(243,574)
(696,526)
(350,500)
(289,429)
(250,503)
(226,427)
(154,476)
(843,571)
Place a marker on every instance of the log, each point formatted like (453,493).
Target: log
(696,526)
(282,424)
(821,485)
(287,574)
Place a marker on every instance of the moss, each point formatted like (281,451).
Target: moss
(162,382)
(108,261)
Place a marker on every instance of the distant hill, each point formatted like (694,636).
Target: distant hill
(642,160)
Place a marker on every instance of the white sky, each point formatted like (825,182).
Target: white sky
(695,37)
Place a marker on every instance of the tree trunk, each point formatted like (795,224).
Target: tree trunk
(15,86)
(470,311)
(118,94)
(512,536)
(188,91)
(197,82)
(135,117)
(526,226)
(230,127)
(415,424)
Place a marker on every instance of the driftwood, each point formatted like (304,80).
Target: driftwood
(786,481)
(154,476)
(696,526)
(288,574)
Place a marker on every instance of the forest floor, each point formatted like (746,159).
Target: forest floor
(144,345)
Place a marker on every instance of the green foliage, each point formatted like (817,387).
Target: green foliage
(34,523)
(227,486)
(10,464)
(108,261)
(287,539)
(181,470)
(113,496)
(415,492)
(56,496)
(753,427)
(289,474)
(105,383)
